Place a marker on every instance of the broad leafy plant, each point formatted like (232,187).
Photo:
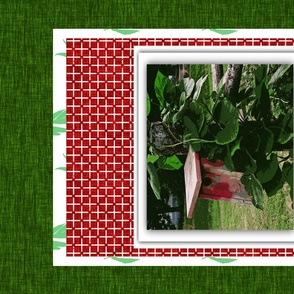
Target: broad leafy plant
(244,131)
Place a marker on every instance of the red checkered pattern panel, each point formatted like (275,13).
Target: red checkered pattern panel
(100,148)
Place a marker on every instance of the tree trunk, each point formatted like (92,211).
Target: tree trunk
(217,74)
(233,80)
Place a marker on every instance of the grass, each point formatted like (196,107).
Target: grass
(219,215)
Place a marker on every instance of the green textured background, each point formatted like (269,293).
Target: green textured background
(26,145)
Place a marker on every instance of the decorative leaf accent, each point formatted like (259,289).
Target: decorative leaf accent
(226,114)
(223,260)
(170,163)
(61,54)
(124,260)
(59,231)
(223,31)
(57,245)
(61,168)
(254,189)
(59,117)
(152,158)
(125,31)
(153,180)
(57,131)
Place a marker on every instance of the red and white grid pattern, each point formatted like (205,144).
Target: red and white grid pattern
(100,148)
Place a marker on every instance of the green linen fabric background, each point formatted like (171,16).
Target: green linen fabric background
(26,145)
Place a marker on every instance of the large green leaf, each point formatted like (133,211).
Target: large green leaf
(243,162)
(59,117)
(199,85)
(152,158)
(164,89)
(148,104)
(266,169)
(59,231)
(191,133)
(288,173)
(279,73)
(262,104)
(180,113)
(198,115)
(170,163)
(254,189)
(275,184)
(260,73)
(227,115)
(266,141)
(188,86)
(153,179)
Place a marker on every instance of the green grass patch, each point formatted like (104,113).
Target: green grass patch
(220,215)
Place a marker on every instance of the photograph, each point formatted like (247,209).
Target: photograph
(219,146)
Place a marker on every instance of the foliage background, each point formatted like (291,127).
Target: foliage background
(26,144)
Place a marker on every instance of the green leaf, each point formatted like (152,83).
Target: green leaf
(61,54)
(57,131)
(285,137)
(57,245)
(254,189)
(59,231)
(124,260)
(275,184)
(61,168)
(199,85)
(279,73)
(152,158)
(260,74)
(164,89)
(179,114)
(170,163)
(153,179)
(226,114)
(262,104)
(266,141)
(125,31)
(188,86)
(243,162)
(223,31)
(192,133)
(228,161)
(182,98)
(223,260)
(59,117)
(288,173)
(148,104)
(266,169)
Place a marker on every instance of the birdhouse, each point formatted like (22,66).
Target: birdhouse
(212,181)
